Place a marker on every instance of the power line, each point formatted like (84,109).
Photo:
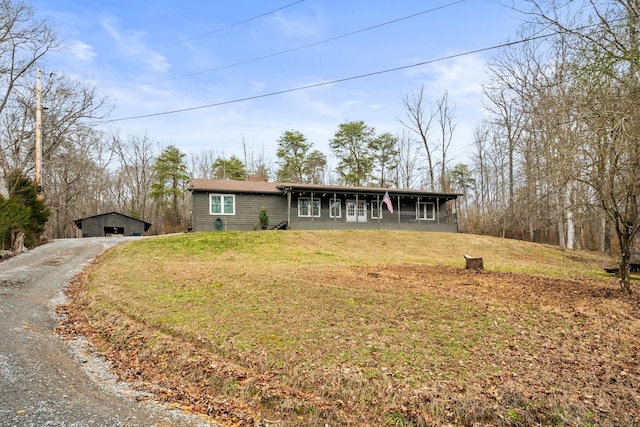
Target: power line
(229,26)
(271,55)
(361,76)
(341,80)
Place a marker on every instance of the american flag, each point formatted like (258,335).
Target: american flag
(387,201)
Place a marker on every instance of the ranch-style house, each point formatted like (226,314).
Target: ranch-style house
(219,205)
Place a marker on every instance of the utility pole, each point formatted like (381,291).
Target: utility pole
(38,136)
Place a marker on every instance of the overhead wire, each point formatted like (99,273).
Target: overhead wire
(356,77)
(271,55)
(217,30)
(330,82)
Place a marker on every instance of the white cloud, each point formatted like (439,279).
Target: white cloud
(298,27)
(310,102)
(131,45)
(461,77)
(81,50)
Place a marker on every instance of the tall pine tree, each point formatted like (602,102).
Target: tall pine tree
(171,180)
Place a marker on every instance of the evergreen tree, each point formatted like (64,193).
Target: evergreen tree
(171,179)
(231,168)
(13,216)
(292,152)
(352,146)
(24,210)
(315,167)
(385,152)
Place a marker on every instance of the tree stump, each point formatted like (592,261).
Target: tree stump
(474,263)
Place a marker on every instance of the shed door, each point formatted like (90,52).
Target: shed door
(113,231)
(356,211)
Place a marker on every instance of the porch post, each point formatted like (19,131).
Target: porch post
(356,207)
(418,213)
(311,206)
(438,208)
(398,209)
(289,208)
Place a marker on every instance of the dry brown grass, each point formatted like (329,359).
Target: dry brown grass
(366,328)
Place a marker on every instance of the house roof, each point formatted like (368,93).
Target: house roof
(233,186)
(282,188)
(78,222)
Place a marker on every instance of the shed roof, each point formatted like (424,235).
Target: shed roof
(78,222)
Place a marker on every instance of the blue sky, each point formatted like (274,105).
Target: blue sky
(162,56)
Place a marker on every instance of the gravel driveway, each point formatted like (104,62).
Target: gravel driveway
(45,381)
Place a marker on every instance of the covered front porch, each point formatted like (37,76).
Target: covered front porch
(364,208)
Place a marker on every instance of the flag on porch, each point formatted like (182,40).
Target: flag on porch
(387,201)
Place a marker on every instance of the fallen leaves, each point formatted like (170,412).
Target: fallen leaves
(563,355)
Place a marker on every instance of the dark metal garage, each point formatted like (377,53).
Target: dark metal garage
(111,224)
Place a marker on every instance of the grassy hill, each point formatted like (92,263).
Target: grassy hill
(366,328)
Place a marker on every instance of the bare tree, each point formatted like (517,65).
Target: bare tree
(68,104)
(407,161)
(200,164)
(419,122)
(24,40)
(258,167)
(480,162)
(136,157)
(509,117)
(445,118)
(77,181)
(605,55)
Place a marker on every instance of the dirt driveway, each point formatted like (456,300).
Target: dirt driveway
(45,380)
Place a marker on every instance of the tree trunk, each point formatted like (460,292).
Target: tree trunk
(625,278)
(571,233)
(626,239)
(17,241)
(561,236)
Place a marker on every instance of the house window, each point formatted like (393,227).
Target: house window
(425,210)
(308,207)
(222,204)
(335,208)
(376,212)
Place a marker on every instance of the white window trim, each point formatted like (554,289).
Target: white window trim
(331,202)
(310,214)
(420,210)
(222,196)
(376,212)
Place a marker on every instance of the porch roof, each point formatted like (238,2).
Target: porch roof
(393,192)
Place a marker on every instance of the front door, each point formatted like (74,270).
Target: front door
(356,211)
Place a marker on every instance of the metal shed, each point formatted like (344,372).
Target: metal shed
(111,224)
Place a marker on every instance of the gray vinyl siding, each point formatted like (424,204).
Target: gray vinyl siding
(247,208)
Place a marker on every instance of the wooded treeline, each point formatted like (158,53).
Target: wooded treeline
(554,160)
